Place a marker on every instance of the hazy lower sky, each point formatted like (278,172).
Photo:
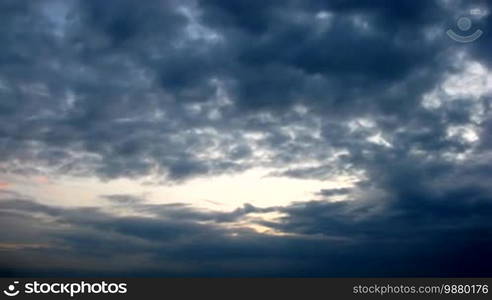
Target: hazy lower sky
(245,138)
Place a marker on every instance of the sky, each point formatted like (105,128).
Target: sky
(245,138)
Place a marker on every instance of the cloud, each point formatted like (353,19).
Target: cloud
(174,90)
(334,192)
(199,98)
(318,238)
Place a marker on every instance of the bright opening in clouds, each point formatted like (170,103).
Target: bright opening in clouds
(244,138)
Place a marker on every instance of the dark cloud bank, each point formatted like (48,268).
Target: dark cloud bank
(119,89)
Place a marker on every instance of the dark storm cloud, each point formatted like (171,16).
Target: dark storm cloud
(325,66)
(130,87)
(325,239)
(197,88)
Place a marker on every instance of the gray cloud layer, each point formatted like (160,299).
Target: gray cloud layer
(176,90)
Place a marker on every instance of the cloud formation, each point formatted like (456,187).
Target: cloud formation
(176,90)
